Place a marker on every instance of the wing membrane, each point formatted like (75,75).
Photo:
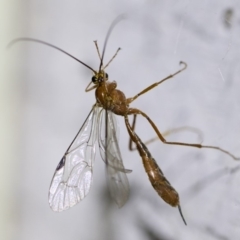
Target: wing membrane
(73,176)
(110,153)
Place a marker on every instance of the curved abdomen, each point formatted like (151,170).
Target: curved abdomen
(156,176)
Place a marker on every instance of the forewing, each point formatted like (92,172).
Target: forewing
(110,153)
(73,176)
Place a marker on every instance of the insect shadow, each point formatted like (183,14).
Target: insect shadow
(73,176)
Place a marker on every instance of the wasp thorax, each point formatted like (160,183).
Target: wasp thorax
(99,77)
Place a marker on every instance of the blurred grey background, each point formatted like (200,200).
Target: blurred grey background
(43,104)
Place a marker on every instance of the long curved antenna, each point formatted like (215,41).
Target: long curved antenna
(50,45)
(118,19)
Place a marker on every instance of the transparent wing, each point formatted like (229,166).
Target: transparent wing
(110,153)
(73,176)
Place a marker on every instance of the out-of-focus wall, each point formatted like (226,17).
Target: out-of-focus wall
(12,24)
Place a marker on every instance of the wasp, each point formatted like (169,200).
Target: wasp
(73,176)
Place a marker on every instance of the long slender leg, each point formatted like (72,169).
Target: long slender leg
(131,148)
(164,134)
(159,182)
(99,55)
(88,88)
(137,111)
(129,100)
(111,59)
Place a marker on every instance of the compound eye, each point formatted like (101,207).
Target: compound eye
(94,79)
(106,75)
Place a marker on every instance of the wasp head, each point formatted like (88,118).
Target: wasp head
(99,77)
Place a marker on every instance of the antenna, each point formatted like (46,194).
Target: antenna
(50,45)
(114,23)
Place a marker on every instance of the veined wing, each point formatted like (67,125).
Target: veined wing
(73,176)
(111,155)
